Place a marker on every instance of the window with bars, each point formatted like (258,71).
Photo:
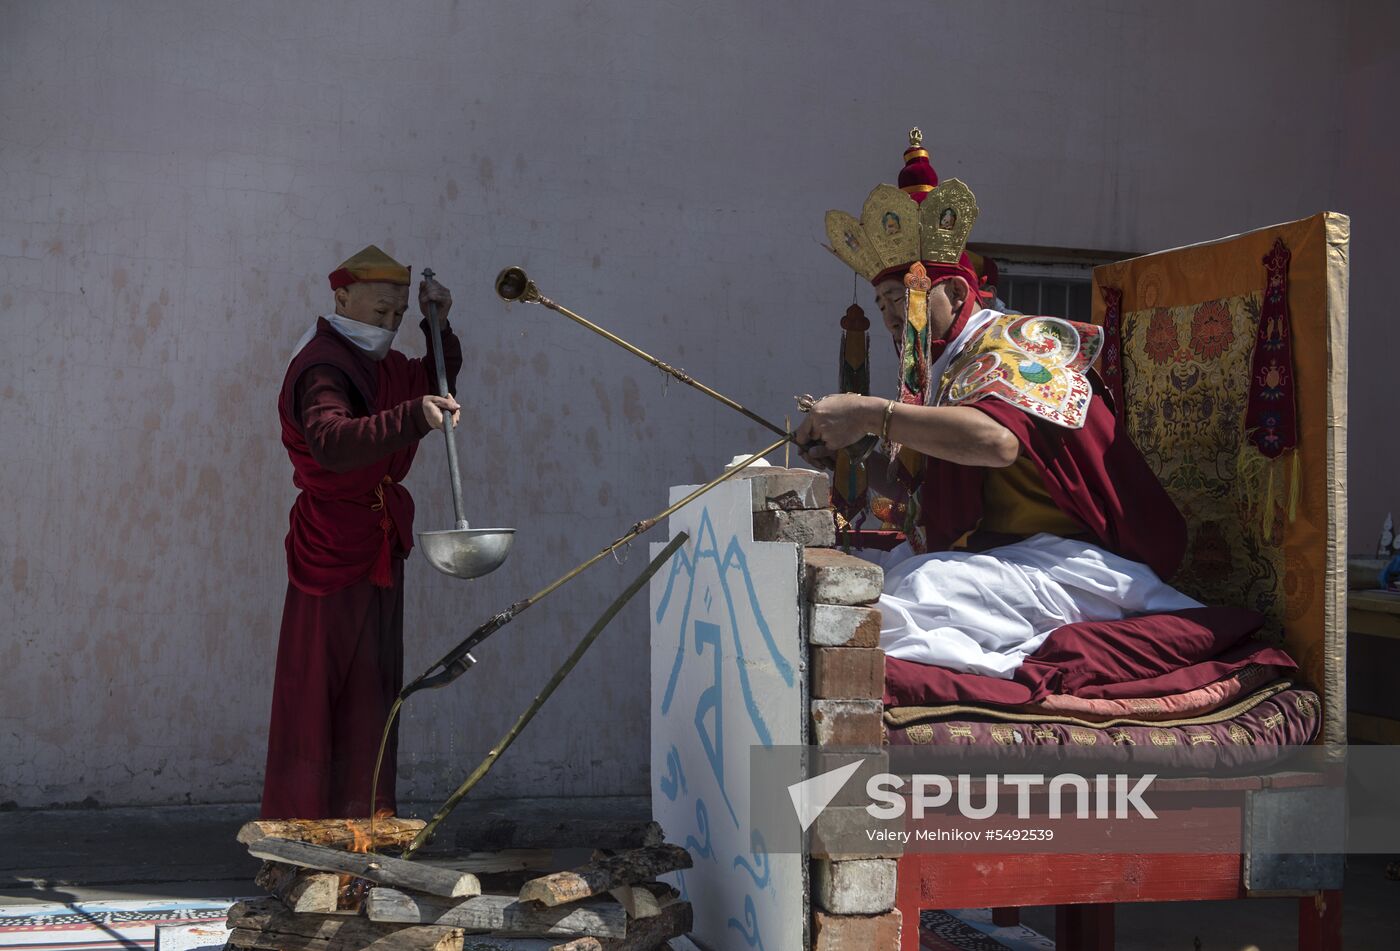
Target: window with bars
(1050,290)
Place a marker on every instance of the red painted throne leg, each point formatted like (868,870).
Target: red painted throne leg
(1320,922)
(908,891)
(1084,927)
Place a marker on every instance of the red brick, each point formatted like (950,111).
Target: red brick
(855,932)
(834,577)
(816,527)
(844,833)
(840,673)
(857,724)
(872,762)
(836,625)
(856,887)
(787,490)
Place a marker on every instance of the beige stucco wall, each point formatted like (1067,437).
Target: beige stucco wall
(176,179)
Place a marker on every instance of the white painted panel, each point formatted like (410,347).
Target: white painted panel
(726,676)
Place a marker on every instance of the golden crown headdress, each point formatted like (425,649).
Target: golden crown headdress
(898,226)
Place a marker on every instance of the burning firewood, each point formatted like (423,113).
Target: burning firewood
(267,924)
(501,914)
(374,868)
(299,889)
(648,934)
(632,867)
(494,943)
(352,835)
(610,904)
(645,900)
(508,860)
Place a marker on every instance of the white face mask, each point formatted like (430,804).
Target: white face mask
(374,341)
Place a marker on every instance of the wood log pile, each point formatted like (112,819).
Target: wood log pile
(330,889)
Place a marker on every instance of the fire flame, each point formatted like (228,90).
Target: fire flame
(360,840)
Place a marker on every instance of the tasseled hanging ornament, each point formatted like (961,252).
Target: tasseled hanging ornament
(907,464)
(381,573)
(850,489)
(1271,428)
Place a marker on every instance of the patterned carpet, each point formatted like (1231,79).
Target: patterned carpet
(99,926)
(131,926)
(971,929)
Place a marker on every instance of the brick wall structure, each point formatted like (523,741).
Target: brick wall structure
(852,897)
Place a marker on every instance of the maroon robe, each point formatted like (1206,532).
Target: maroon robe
(351,427)
(1095,474)
(1098,476)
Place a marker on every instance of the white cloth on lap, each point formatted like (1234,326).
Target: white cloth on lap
(985,612)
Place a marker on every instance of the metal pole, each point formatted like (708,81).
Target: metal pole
(425,835)
(435,331)
(513,284)
(455,662)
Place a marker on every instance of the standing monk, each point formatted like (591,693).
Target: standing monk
(352,412)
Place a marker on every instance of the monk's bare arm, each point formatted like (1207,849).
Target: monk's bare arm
(451,353)
(339,440)
(959,434)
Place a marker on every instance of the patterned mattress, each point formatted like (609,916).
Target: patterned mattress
(1248,732)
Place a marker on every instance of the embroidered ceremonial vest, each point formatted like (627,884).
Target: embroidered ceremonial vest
(1037,364)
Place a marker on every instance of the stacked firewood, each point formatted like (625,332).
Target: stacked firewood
(330,889)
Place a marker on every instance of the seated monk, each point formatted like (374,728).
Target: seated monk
(1026,506)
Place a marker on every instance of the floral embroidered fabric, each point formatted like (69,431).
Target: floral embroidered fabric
(1035,363)
(1186,374)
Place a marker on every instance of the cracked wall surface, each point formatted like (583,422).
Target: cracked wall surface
(176,180)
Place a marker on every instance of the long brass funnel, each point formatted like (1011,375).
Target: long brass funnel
(514,285)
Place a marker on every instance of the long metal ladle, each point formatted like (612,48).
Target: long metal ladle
(462,552)
(513,285)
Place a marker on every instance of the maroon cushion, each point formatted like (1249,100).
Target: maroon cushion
(910,684)
(1148,656)
(1136,648)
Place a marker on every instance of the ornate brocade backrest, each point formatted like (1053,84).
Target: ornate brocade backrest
(1264,531)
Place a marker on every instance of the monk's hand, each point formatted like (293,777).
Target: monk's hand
(817,455)
(435,406)
(839,420)
(430,290)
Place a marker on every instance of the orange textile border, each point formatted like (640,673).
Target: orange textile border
(1315,544)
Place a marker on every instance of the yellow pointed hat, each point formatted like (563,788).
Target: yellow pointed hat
(370,264)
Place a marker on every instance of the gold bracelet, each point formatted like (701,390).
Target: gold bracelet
(885,427)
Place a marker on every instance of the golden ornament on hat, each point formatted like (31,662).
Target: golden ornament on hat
(894,230)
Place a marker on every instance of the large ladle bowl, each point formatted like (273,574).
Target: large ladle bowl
(463,551)
(467,552)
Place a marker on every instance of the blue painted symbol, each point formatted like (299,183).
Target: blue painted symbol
(748,928)
(758,871)
(674,780)
(707,549)
(702,848)
(711,703)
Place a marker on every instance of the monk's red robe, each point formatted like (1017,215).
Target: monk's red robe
(351,427)
(1094,474)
